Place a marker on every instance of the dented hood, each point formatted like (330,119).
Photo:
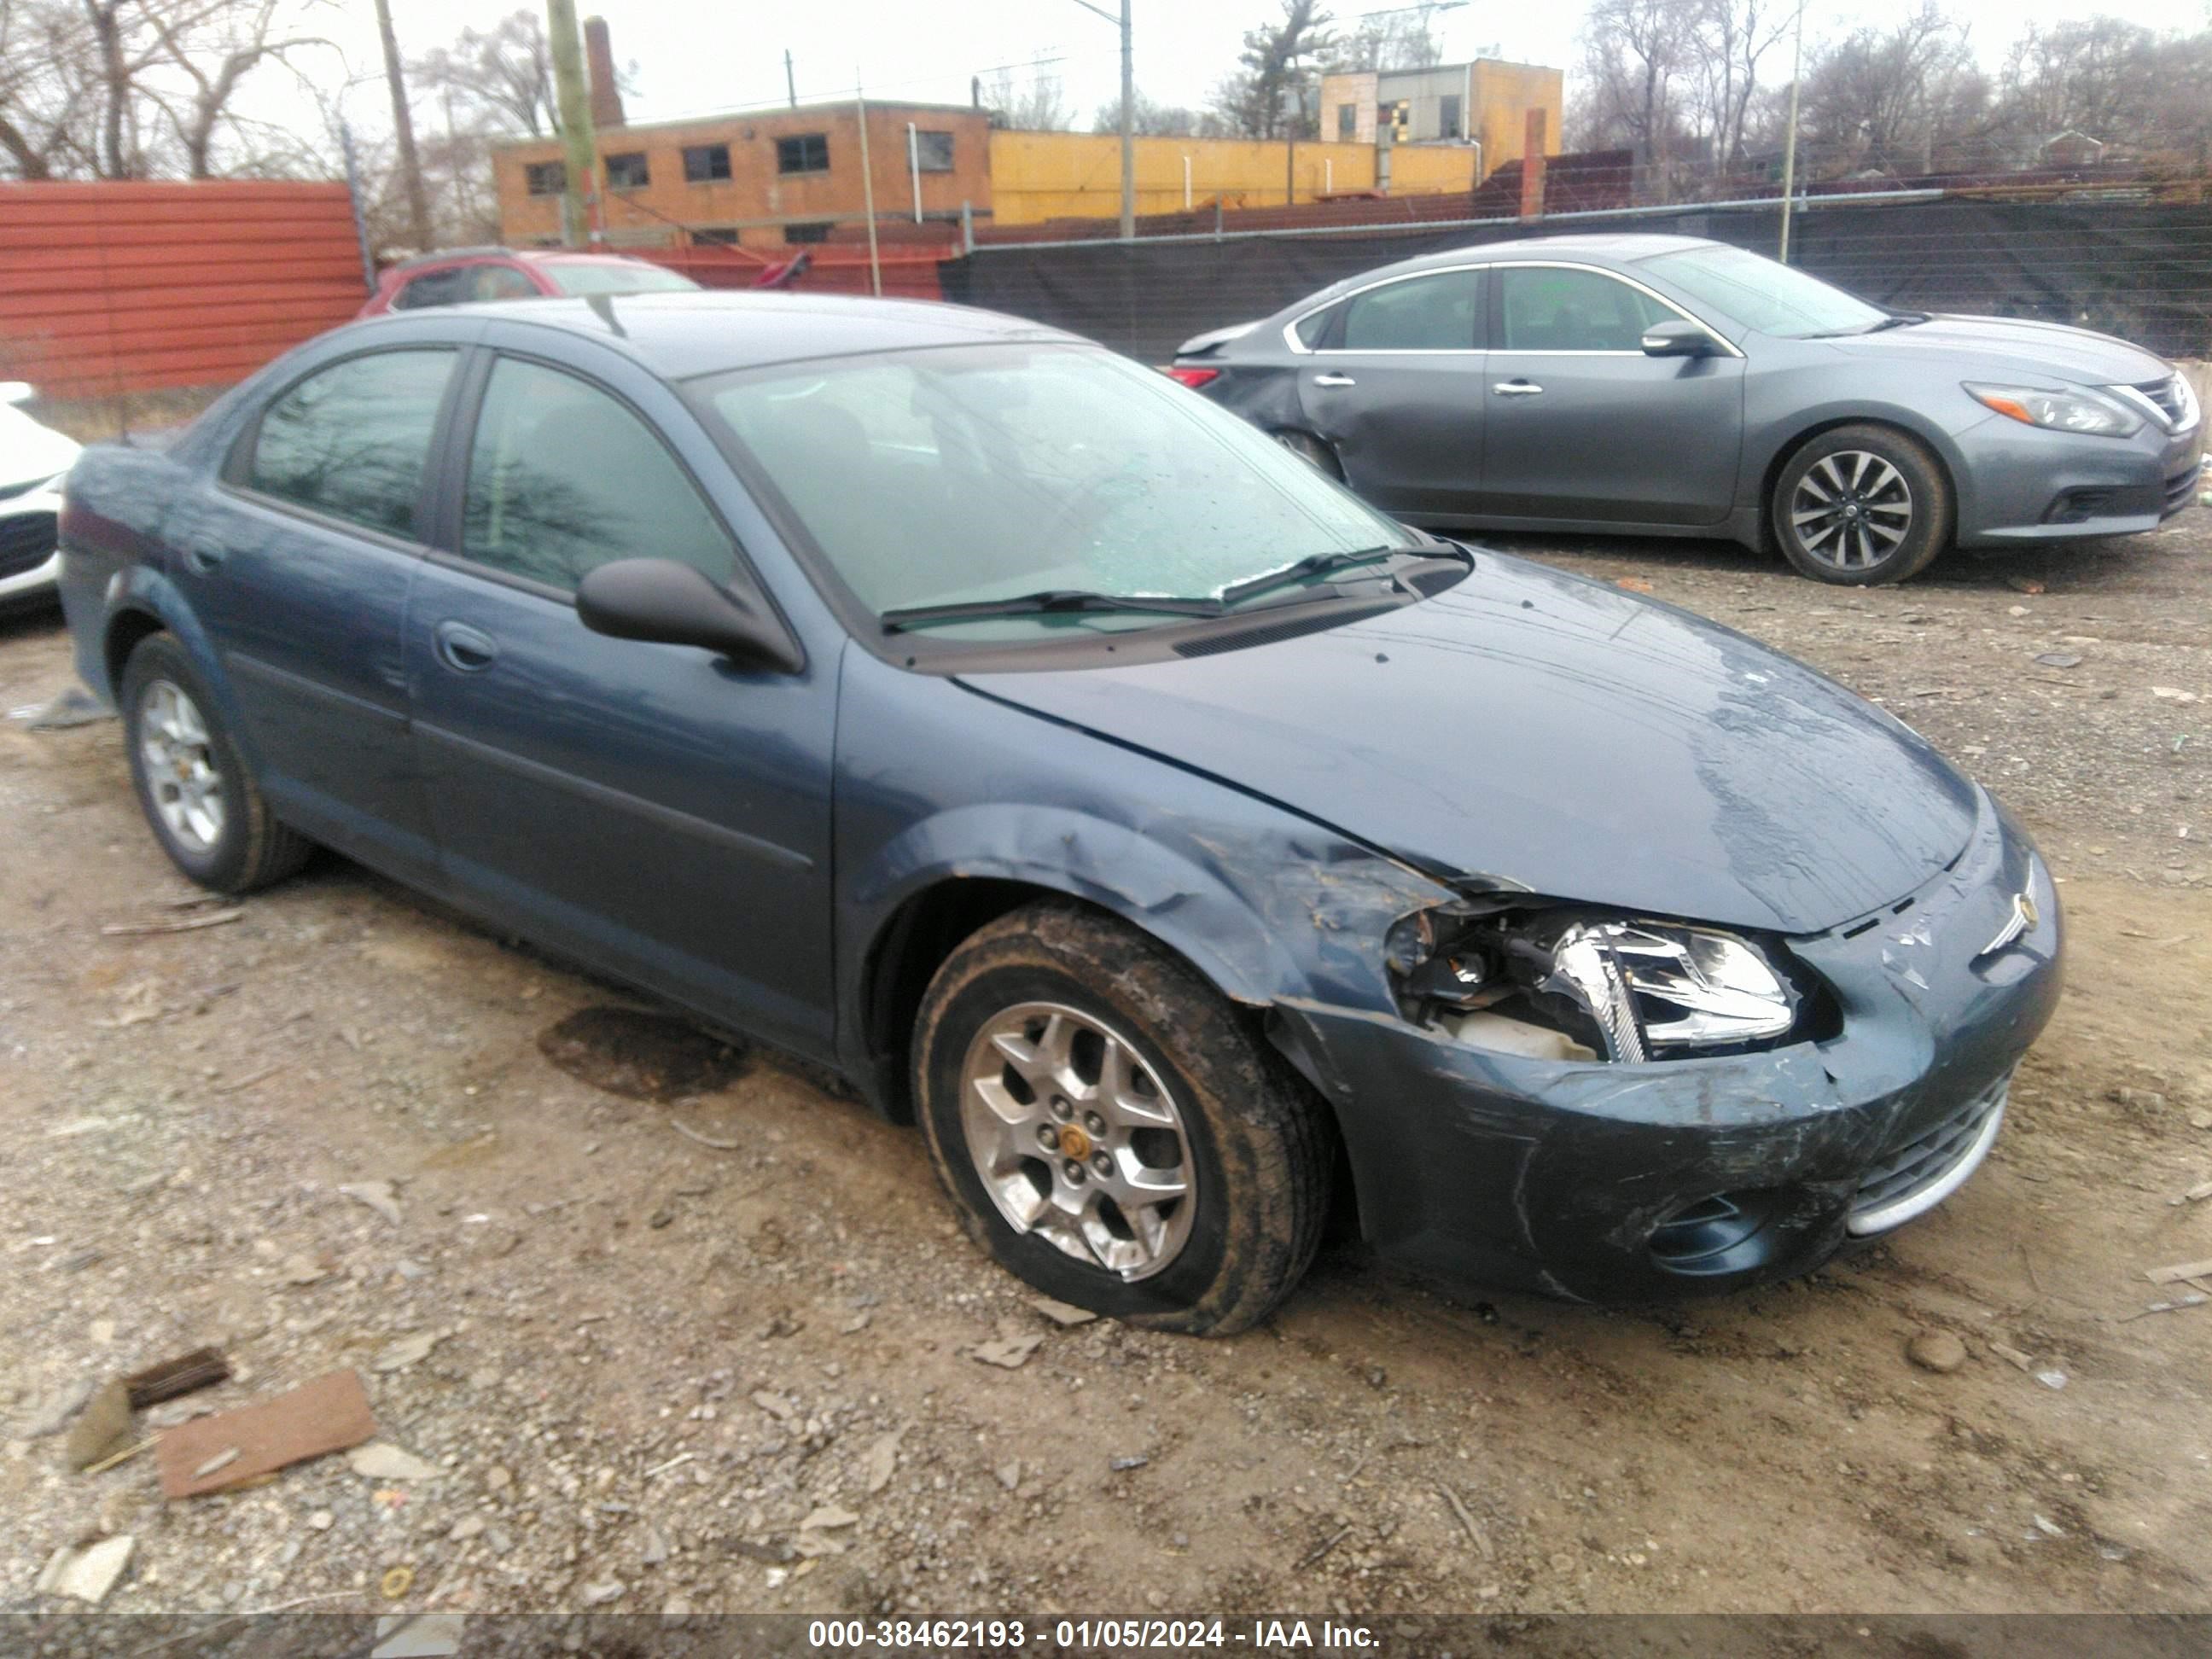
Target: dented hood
(1573,738)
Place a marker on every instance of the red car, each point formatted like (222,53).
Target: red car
(465,275)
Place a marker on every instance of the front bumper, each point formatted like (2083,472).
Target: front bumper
(29,562)
(2022,484)
(1611,1183)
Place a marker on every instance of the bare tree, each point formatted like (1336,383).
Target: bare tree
(1403,37)
(500,77)
(1638,58)
(215,49)
(1728,40)
(1153,119)
(1041,107)
(49,87)
(1273,91)
(1891,101)
(403,131)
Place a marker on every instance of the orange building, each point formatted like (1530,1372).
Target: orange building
(760,179)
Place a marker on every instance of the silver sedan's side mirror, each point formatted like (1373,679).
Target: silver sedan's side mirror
(1678,339)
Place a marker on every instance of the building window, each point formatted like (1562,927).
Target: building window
(1448,116)
(932,152)
(714,236)
(703,164)
(1348,122)
(807,153)
(628,172)
(545,178)
(817,232)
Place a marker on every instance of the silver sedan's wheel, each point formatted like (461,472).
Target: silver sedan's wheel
(181,772)
(1077,1141)
(1850,511)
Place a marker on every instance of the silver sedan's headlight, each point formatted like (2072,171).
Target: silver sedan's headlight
(2074,411)
(1565,983)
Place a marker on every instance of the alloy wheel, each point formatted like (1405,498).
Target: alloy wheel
(1077,1141)
(179,757)
(1850,511)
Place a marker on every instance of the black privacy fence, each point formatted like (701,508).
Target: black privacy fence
(2140,271)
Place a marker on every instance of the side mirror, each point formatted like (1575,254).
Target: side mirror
(17,391)
(667,603)
(1677,338)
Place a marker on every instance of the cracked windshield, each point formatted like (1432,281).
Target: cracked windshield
(954,477)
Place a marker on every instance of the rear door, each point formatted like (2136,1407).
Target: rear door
(298,563)
(1394,385)
(1582,425)
(648,808)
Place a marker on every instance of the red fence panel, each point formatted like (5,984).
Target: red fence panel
(130,286)
(908,272)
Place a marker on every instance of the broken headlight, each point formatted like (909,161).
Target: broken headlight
(1564,984)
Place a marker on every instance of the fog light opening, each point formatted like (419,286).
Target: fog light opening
(1710,1236)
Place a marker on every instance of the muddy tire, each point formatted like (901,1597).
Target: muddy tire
(1313,451)
(199,796)
(1862,506)
(1110,1130)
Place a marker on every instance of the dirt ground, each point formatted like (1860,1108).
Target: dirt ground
(650,1373)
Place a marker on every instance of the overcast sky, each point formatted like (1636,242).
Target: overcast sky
(692,57)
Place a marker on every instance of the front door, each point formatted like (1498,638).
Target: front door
(1584,426)
(1395,388)
(299,564)
(647,808)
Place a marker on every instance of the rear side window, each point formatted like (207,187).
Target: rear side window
(350,441)
(498,282)
(433,287)
(564,478)
(1547,309)
(1422,313)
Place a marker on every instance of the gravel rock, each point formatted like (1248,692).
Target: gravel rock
(1936,1350)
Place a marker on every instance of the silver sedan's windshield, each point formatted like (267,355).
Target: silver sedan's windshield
(1774,299)
(955,476)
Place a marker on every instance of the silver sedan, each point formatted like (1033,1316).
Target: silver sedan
(1673,386)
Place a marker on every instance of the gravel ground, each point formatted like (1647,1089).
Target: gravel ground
(638,1370)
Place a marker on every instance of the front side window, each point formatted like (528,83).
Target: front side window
(1774,299)
(628,171)
(350,441)
(564,478)
(497,282)
(1546,309)
(545,178)
(807,153)
(703,164)
(978,472)
(1422,313)
(932,152)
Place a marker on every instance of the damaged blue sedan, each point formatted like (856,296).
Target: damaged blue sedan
(1192,851)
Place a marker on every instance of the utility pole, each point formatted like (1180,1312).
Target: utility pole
(1789,138)
(1128,117)
(402,129)
(575,102)
(868,191)
(790,82)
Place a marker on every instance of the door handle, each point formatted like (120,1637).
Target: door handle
(201,557)
(1516,388)
(1334,380)
(463,649)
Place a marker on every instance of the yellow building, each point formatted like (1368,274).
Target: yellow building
(1078,175)
(1484,104)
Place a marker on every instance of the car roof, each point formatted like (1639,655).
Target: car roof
(535,255)
(683,335)
(1620,247)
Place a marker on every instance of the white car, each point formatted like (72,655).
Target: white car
(33,460)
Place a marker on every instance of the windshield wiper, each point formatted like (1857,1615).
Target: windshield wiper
(1314,564)
(1900,319)
(1047,600)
